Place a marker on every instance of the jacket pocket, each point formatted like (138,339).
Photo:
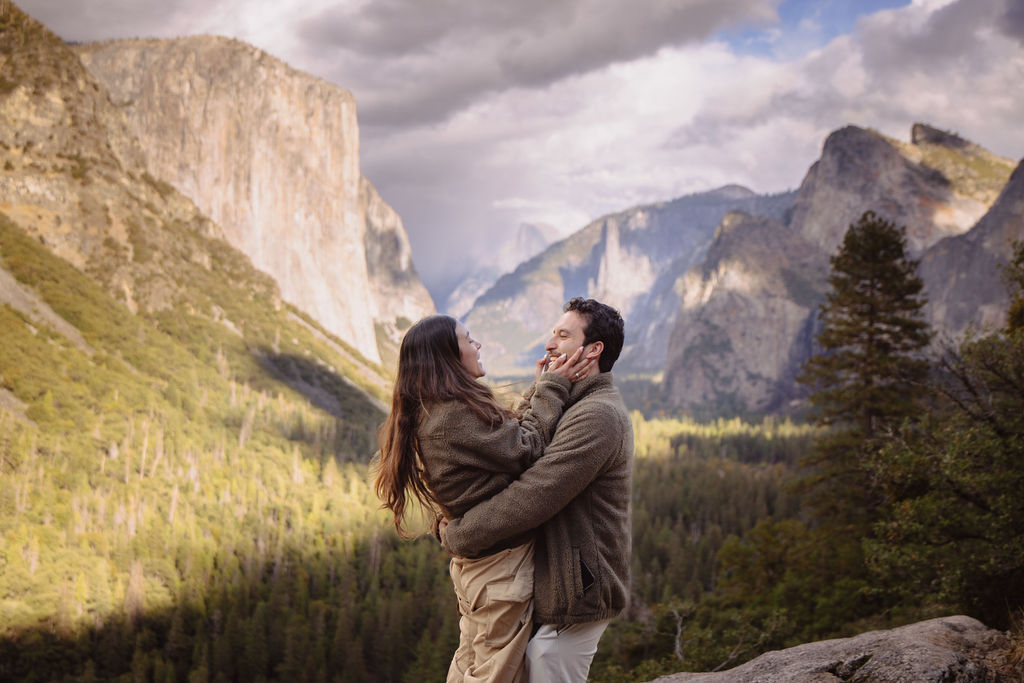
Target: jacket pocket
(576,574)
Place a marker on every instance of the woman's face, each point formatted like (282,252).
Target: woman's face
(469,351)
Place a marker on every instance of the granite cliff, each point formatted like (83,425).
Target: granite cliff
(74,178)
(743,328)
(962,273)
(75,182)
(272,156)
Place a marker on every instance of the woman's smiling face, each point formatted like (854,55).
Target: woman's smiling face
(469,351)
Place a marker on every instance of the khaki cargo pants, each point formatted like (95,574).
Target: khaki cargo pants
(496,606)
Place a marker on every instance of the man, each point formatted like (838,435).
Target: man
(578,497)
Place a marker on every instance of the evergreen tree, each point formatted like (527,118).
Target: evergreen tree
(869,377)
(953,532)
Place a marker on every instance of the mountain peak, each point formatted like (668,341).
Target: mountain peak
(922,133)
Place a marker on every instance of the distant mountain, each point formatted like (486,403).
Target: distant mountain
(937,186)
(271,154)
(743,328)
(629,259)
(530,239)
(720,291)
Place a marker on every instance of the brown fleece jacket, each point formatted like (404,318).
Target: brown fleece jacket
(578,495)
(468,460)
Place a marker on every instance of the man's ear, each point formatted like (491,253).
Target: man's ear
(595,350)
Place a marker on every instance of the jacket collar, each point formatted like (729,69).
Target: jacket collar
(587,386)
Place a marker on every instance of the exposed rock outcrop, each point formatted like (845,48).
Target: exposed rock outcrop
(954,649)
(744,325)
(934,187)
(272,155)
(962,274)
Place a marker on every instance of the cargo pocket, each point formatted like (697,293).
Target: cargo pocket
(509,601)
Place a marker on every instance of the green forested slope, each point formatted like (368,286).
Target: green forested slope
(171,510)
(165,480)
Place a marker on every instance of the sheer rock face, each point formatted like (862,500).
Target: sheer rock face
(74,180)
(744,326)
(955,649)
(962,273)
(271,155)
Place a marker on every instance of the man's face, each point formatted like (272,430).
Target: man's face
(567,335)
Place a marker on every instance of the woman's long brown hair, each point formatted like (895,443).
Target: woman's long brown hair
(430,370)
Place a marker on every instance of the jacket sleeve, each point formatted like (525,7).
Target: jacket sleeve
(585,441)
(512,446)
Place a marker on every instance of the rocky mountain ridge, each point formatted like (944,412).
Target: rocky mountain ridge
(962,273)
(630,259)
(724,324)
(739,346)
(271,154)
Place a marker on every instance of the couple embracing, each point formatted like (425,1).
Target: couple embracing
(533,505)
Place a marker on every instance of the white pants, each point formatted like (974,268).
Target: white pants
(563,654)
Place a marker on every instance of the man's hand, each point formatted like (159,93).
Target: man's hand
(572,368)
(442,527)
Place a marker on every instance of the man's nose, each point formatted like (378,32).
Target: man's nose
(550,346)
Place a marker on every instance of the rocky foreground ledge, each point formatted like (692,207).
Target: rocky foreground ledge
(955,649)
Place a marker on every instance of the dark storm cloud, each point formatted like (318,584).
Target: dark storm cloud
(440,55)
(1013,20)
(948,39)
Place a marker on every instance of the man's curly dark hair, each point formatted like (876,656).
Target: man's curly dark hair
(601,323)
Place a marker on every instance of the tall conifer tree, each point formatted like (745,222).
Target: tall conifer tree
(952,531)
(869,376)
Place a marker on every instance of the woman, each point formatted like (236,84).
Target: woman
(449,444)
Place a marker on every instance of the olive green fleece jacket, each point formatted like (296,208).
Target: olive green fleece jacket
(578,498)
(468,460)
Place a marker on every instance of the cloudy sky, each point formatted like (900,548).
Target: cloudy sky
(477,116)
